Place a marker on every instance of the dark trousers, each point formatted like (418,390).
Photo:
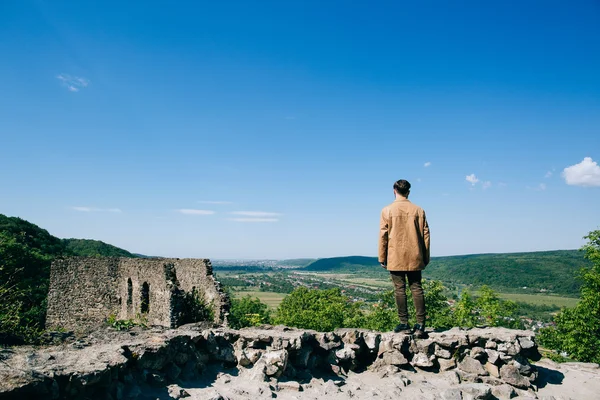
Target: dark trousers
(399,279)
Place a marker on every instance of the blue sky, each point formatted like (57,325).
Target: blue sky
(276,129)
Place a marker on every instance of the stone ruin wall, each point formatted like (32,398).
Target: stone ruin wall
(84,292)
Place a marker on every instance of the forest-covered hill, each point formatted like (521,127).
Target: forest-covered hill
(546,271)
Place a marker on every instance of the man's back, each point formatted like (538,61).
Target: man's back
(404,237)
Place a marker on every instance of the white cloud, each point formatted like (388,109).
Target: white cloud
(548,174)
(73,83)
(96,209)
(427,164)
(215,202)
(254,219)
(487,184)
(192,211)
(586,173)
(256,214)
(472,179)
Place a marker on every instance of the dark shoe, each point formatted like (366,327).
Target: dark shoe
(402,328)
(419,332)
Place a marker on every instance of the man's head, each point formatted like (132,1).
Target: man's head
(402,188)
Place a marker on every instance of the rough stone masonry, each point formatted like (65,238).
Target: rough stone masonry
(189,361)
(84,291)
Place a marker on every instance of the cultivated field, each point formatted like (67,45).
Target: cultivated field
(269,298)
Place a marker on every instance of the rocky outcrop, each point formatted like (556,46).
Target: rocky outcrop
(129,365)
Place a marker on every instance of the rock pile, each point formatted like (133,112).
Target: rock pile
(126,365)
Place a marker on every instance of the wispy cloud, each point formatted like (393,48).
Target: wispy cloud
(472,179)
(254,219)
(215,202)
(193,211)
(548,174)
(96,209)
(586,173)
(73,83)
(539,188)
(486,184)
(427,164)
(256,214)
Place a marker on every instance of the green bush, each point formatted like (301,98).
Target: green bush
(248,311)
(577,330)
(321,310)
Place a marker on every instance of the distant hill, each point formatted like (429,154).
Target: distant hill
(94,248)
(350,263)
(38,239)
(551,271)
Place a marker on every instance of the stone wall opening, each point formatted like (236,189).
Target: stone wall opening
(145,298)
(129,292)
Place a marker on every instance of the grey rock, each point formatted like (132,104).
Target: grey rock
(442,352)
(393,357)
(511,349)
(492,369)
(504,391)
(472,366)
(290,385)
(490,344)
(388,370)
(445,365)
(451,394)
(466,377)
(422,360)
(510,374)
(275,362)
(492,356)
(452,377)
(176,392)
(476,391)
(526,343)
(348,352)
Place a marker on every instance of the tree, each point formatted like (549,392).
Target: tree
(577,330)
(248,311)
(24,272)
(493,311)
(321,310)
(464,311)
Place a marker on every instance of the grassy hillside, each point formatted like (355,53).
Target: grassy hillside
(548,271)
(94,248)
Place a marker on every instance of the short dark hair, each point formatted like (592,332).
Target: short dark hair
(402,187)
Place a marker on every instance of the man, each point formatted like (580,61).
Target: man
(404,251)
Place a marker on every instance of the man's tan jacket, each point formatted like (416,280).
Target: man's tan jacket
(403,237)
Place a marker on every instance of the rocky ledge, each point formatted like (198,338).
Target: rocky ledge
(160,363)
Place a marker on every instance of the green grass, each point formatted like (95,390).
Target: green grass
(539,299)
(269,298)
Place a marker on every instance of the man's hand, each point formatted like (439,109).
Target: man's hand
(383,266)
